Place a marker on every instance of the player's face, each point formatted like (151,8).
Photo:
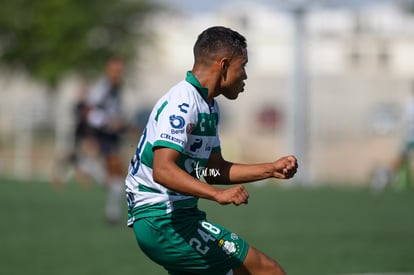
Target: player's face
(115,71)
(234,77)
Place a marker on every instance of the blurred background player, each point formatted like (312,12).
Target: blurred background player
(80,162)
(403,165)
(105,123)
(85,154)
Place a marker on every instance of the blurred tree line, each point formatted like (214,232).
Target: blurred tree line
(49,38)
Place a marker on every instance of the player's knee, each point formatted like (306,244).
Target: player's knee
(276,268)
(269,266)
(257,262)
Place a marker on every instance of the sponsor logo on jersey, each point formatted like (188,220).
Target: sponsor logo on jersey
(177,122)
(198,142)
(183,107)
(179,131)
(206,124)
(173,139)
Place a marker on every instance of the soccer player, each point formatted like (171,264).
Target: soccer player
(106,121)
(180,146)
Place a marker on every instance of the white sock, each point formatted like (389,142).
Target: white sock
(114,200)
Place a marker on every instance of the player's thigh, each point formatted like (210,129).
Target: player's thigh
(258,263)
(187,245)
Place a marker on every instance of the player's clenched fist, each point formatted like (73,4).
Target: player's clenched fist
(235,195)
(285,167)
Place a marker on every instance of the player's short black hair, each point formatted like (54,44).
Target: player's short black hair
(217,40)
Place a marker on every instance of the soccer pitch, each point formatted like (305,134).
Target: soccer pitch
(313,231)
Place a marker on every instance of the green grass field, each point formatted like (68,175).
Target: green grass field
(309,231)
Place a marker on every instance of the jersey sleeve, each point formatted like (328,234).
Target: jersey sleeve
(174,122)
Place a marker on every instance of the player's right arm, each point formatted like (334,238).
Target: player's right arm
(236,173)
(167,173)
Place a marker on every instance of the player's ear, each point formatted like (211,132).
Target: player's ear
(224,64)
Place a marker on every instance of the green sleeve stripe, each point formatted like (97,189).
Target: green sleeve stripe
(163,143)
(147,157)
(160,109)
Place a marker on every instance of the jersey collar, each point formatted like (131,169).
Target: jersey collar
(194,81)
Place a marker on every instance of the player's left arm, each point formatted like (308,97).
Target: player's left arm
(233,173)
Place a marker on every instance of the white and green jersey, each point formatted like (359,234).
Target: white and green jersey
(184,121)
